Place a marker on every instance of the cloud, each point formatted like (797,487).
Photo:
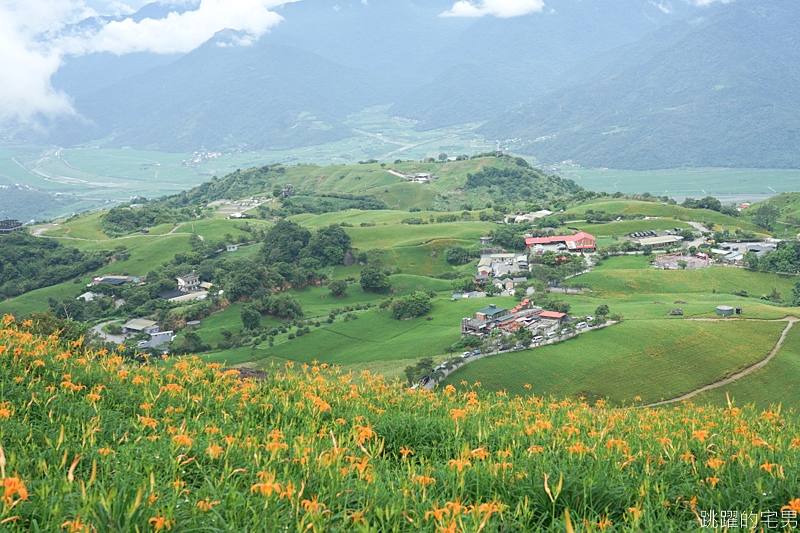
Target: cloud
(35,36)
(179,32)
(666,9)
(497,8)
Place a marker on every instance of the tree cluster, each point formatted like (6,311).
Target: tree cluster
(288,242)
(28,263)
(415,304)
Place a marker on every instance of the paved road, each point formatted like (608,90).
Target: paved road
(118,339)
(738,375)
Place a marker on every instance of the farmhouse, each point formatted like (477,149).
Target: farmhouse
(579,242)
(9,226)
(491,313)
(553,315)
(156,339)
(140,325)
(188,282)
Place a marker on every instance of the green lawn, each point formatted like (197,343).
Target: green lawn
(611,282)
(777,383)
(376,337)
(85,226)
(37,301)
(657,209)
(394,235)
(215,229)
(624,228)
(655,360)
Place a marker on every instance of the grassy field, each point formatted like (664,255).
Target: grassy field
(778,383)
(626,227)
(374,340)
(410,235)
(655,360)
(657,209)
(787,204)
(85,226)
(626,282)
(37,301)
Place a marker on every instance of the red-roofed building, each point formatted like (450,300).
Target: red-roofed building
(552,315)
(575,243)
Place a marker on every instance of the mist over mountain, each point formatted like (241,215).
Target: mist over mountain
(617,83)
(224,96)
(715,90)
(499,63)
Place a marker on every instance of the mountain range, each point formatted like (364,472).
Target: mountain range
(615,83)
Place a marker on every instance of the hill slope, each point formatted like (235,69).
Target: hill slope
(717,91)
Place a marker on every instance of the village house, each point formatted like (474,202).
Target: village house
(580,242)
(188,282)
(140,325)
(156,340)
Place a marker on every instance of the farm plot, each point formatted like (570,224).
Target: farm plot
(610,282)
(378,337)
(778,383)
(654,360)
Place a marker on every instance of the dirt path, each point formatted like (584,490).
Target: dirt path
(738,375)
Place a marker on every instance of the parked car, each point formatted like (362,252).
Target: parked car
(589,318)
(537,339)
(580,325)
(551,334)
(476,352)
(465,355)
(424,381)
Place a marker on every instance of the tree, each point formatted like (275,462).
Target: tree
(456,255)
(491,289)
(520,291)
(463,284)
(251,319)
(443,157)
(415,304)
(523,336)
(796,295)
(750,259)
(374,279)
(647,249)
(328,245)
(338,287)
(765,216)
(602,310)
(415,372)
(682,264)
(284,242)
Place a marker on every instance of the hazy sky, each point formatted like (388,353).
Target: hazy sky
(36,36)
